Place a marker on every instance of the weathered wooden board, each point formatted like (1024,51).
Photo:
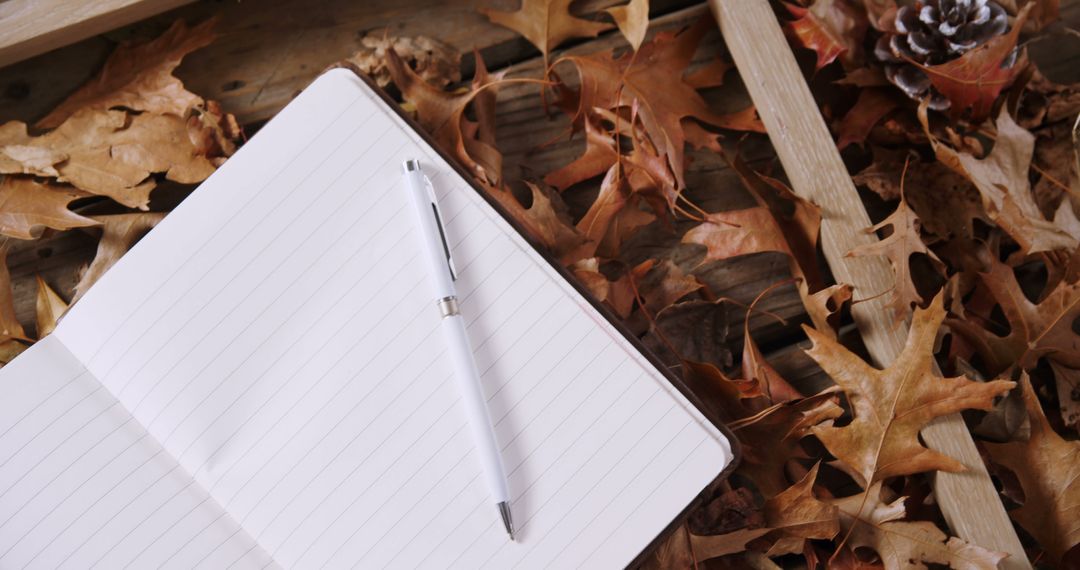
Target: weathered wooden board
(32,27)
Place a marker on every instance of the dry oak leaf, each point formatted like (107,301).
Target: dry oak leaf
(890,406)
(112,153)
(546,23)
(973,81)
(11,330)
(872,105)
(1048,467)
(756,368)
(737,232)
(19,156)
(652,79)
(771,438)
(904,241)
(1036,329)
(872,523)
(817,35)
(441,114)
(705,547)
(632,20)
(119,234)
(545,223)
(27,206)
(49,307)
(599,156)
(434,61)
(1067,382)
(796,515)
(138,76)
(1002,179)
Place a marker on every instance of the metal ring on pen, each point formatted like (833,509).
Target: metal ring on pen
(448,307)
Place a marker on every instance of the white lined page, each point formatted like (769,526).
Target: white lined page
(276,334)
(82,485)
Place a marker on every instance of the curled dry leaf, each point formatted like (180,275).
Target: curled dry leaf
(435,62)
(633,20)
(738,232)
(1002,179)
(1048,467)
(1035,329)
(111,153)
(119,233)
(890,406)
(546,23)
(441,114)
(904,241)
(138,76)
(796,515)
(652,79)
(830,28)
(871,523)
(27,206)
(870,108)
(771,438)
(49,307)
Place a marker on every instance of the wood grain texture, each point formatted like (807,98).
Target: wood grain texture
(806,149)
(32,27)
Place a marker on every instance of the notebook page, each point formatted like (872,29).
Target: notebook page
(82,485)
(277,335)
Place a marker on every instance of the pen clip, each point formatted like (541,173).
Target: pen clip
(442,231)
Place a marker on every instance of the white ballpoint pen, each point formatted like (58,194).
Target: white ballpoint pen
(442,277)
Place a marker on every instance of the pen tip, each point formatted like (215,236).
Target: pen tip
(508,522)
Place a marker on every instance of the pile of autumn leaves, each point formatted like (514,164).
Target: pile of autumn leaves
(981,197)
(116,137)
(983,236)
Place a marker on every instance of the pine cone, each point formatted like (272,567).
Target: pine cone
(933,33)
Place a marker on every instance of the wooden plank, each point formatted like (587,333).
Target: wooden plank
(33,27)
(806,149)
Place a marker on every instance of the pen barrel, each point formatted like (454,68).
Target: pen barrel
(476,408)
(433,243)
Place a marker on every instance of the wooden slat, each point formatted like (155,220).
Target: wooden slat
(32,27)
(806,149)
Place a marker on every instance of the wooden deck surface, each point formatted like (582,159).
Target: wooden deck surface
(267,51)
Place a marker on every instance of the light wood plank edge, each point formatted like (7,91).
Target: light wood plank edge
(809,156)
(33,27)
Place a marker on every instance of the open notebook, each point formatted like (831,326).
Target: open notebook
(262,382)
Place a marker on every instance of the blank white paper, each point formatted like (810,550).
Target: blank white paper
(277,336)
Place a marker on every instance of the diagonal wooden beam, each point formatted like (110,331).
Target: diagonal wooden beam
(806,149)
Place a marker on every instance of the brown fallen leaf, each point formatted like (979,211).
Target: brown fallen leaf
(544,223)
(49,307)
(19,156)
(652,81)
(632,20)
(1049,470)
(1067,381)
(795,515)
(27,206)
(138,76)
(599,157)
(871,523)
(10,327)
(973,81)
(119,233)
(771,438)
(435,62)
(546,23)
(1035,329)
(810,32)
(441,114)
(713,546)
(890,406)
(1002,179)
(870,108)
(757,369)
(738,232)
(111,153)
(903,242)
